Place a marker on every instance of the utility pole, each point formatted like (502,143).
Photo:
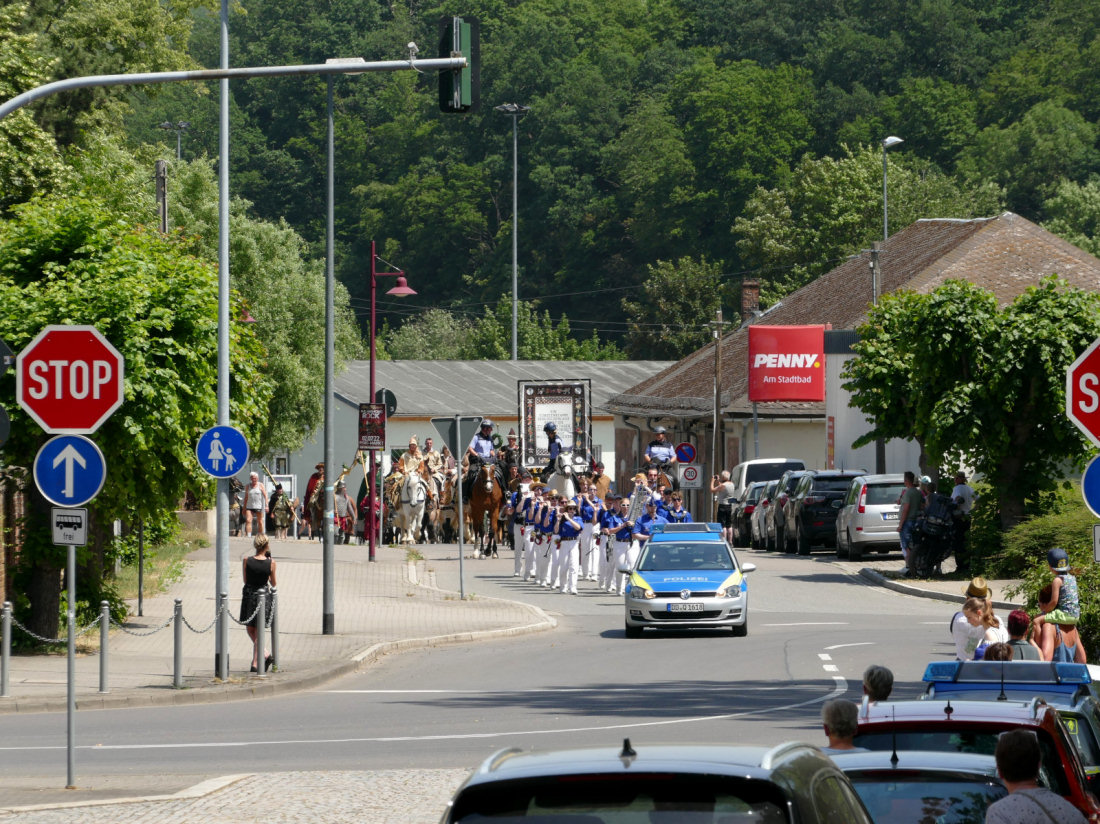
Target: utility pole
(717,436)
(160,174)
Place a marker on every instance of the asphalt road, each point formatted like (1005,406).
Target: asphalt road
(814,627)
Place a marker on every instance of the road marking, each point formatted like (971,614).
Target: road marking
(859,644)
(810,624)
(647,690)
(830,668)
(824,656)
(840,686)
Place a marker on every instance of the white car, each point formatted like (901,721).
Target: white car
(868,517)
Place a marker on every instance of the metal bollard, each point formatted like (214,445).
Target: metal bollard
(260,623)
(177,645)
(275,627)
(5,647)
(104,633)
(223,635)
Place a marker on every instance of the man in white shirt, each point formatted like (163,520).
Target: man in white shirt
(963,495)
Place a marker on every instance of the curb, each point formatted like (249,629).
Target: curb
(877,578)
(316,677)
(200,790)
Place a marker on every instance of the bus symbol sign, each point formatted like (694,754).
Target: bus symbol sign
(70,526)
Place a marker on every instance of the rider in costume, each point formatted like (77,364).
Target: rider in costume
(509,453)
(554,446)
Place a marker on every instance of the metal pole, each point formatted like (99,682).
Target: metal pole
(177,645)
(104,636)
(515,236)
(372,492)
(885,211)
(461,520)
(755,432)
(70,709)
(275,627)
(715,452)
(141,568)
(328,616)
(260,623)
(5,648)
(160,175)
(221,564)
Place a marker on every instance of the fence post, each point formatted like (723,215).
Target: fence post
(5,647)
(104,632)
(223,636)
(275,627)
(260,624)
(177,645)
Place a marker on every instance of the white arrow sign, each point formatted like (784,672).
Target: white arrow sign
(70,456)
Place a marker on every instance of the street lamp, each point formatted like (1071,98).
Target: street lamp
(515,111)
(887,143)
(401,290)
(179,128)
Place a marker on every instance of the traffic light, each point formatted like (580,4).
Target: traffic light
(460,89)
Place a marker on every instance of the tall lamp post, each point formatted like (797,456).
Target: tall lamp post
(179,128)
(887,143)
(515,111)
(401,290)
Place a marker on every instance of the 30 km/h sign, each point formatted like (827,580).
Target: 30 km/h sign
(69,379)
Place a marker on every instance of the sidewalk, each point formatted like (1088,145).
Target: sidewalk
(378,608)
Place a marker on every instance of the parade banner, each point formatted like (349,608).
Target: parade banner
(786,363)
(568,404)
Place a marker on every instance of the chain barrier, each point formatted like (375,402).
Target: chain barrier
(136,634)
(42,640)
(209,626)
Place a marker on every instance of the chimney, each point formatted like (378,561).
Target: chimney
(750,299)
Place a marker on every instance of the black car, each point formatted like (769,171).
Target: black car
(812,508)
(741,515)
(776,538)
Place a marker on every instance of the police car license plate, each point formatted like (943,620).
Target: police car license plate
(685,607)
(889,516)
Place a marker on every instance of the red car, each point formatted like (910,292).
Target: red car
(973,726)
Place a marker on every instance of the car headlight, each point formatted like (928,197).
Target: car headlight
(723,592)
(641,592)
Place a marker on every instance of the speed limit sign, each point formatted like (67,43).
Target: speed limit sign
(691,476)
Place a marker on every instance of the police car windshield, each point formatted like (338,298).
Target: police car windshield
(685,556)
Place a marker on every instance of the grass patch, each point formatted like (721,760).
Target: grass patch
(164,565)
(413,554)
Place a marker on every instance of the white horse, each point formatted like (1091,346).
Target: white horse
(410,511)
(561,477)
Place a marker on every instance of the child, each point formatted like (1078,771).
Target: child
(1063,593)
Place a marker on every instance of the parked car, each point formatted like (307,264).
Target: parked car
(669,783)
(777,513)
(687,577)
(973,726)
(757,522)
(867,520)
(913,787)
(813,506)
(1068,688)
(742,512)
(760,469)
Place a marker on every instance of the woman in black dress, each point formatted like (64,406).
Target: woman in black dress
(259,571)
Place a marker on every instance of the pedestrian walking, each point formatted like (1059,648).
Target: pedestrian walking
(255,503)
(259,573)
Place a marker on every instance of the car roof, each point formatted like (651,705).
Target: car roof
(925,761)
(897,478)
(715,759)
(837,473)
(691,532)
(952,710)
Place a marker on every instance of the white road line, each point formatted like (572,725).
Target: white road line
(725,688)
(840,686)
(810,624)
(824,656)
(859,644)
(830,668)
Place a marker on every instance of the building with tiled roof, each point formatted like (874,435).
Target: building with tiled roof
(1004,254)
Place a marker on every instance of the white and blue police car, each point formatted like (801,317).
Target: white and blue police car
(687,577)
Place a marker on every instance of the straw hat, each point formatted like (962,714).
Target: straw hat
(977,588)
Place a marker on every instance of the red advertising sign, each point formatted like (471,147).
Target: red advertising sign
(786,363)
(372,426)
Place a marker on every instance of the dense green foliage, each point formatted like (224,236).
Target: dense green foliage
(973,382)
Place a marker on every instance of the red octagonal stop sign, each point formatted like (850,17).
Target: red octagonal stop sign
(1083,392)
(69,379)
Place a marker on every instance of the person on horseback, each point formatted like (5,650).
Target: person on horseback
(554,447)
(411,460)
(662,455)
(480,451)
(508,454)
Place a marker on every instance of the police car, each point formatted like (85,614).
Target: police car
(687,576)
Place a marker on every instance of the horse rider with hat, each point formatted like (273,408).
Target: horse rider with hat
(509,453)
(480,451)
(554,446)
(660,453)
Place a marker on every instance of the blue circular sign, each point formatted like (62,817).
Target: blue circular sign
(69,470)
(1090,486)
(222,451)
(685,452)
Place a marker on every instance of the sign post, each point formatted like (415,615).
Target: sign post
(454,432)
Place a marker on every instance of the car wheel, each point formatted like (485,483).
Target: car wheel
(801,541)
(788,541)
(633,632)
(742,630)
(855,552)
(841,547)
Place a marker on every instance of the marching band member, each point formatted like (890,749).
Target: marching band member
(545,528)
(515,522)
(587,507)
(530,508)
(622,545)
(569,530)
(610,522)
(677,514)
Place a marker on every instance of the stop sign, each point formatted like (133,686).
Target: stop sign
(69,379)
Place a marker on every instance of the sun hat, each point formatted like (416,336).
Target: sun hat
(924,479)
(1058,560)
(977,588)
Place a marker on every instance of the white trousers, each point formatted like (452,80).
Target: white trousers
(570,565)
(542,559)
(557,553)
(622,558)
(587,549)
(605,551)
(517,568)
(528,551)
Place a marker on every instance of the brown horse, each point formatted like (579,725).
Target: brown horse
(485,498)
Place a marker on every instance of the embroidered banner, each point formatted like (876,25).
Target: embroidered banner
(568,404)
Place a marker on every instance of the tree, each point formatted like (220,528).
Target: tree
(1074,211)
(69,260)
(677,302)
(971,381)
